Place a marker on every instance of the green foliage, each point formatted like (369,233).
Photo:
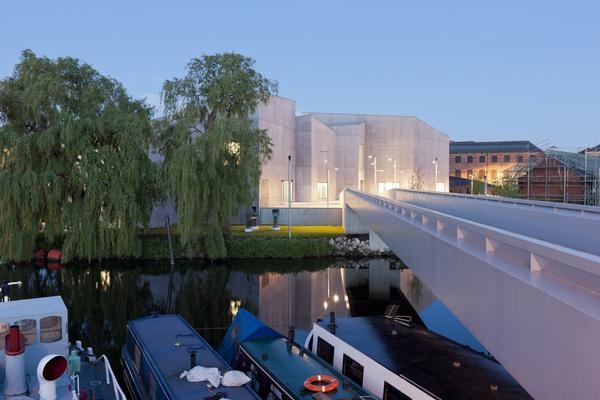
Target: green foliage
(509,187)
(74,162)
(212,153)
(279,248)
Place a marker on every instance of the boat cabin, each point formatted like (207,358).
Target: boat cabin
(397,360)
(158,349)
(43,321)
(280,368)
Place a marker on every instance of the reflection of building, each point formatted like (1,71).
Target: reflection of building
(416,293)
(333,151)
(491,159)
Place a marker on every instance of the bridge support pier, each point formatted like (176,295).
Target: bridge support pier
(376,243)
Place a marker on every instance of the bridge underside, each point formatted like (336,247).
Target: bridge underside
(533,305)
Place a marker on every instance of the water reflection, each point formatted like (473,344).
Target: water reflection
(102,298)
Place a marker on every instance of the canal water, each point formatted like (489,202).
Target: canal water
(102,298)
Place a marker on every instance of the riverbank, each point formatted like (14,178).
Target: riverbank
(306,242)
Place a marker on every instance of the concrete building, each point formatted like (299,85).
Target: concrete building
(330,152)
(490,159)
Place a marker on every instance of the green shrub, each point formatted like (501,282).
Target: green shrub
(278,248)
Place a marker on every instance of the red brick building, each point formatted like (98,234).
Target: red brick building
(491,159)
(563,177)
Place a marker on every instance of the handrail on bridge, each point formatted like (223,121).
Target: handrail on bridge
(577,267)
(554,206)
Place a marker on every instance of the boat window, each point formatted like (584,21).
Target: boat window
(325,351)
(353,370)
(28,328)
(310,343)
(4,328)
(391,393)
(50,329)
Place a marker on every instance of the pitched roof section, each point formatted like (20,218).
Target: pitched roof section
(517,146)
(577,161)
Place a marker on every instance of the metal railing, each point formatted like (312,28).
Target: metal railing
(495,245)
(110,375)
(533,204)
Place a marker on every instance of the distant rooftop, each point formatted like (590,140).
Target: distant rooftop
(591,149)
(517,146)
(578,161)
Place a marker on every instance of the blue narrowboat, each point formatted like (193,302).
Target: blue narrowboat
(158,349)
(281,369)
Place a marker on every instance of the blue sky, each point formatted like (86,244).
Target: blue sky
(476,70)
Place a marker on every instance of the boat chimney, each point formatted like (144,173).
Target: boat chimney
(332,325)
(192,358)
(14,350)
(291,334)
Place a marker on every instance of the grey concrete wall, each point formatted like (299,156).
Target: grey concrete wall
(278,117)
(410,141)
(349,156)
(315,155)
(304,216)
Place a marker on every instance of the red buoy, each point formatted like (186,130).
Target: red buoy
(54,255)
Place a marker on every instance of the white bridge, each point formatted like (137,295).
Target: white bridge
(522,276)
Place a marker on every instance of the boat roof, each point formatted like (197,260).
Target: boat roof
(291,365)
(157,335)
(431,361)
(19,309)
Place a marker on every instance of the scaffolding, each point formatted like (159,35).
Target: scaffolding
(560,176)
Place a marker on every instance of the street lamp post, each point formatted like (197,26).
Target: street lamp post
(435,163)
(326,162)
(289,197)
(471,178)
(375,170)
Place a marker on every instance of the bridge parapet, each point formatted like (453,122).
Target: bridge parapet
(534,304)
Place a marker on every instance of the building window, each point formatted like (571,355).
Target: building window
(391,393)
(287,191)
(28,329)
(507,158)
(520,158)
(481,159)
(457,173)
(322,190)
(353,370)
(457,159)
(325,351)
(494,158)
(50,329)
(469,173)
(469,159)
(481,174)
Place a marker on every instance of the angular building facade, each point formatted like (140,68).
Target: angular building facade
(330,152)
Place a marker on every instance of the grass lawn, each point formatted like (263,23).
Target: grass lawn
(265,230)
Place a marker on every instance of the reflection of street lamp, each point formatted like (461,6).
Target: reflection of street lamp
(336,298)
(436,173)
(325,305)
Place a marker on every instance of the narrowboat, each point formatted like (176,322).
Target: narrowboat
(396,359)
(37,361)
(158,349)
(281,369)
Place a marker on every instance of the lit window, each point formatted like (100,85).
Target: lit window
(50,329)
(286,191)
(322,190)
(28,328)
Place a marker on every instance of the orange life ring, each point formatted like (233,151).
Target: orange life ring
(329,383)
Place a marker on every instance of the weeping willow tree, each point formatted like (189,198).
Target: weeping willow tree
(212,152)
(74,164)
